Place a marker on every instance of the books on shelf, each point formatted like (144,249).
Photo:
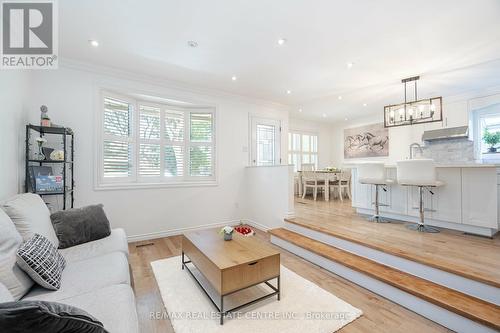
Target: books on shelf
(43,180)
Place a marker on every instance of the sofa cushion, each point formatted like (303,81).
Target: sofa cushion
(83,276)
(114,306)
(11,275)
(80,225)
(117,241)
(5,295)
(39,258)
(40,316)
(30,216)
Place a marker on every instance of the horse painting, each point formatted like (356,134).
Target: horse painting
(366,141)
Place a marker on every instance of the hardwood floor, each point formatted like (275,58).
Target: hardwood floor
(467,306)
(471,256)
(380,315)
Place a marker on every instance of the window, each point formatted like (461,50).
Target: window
(487,120)
(150,143)
(265,141)
(302,148)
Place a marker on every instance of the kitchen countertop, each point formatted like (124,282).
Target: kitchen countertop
(447,165)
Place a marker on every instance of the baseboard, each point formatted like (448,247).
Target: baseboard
(179,231)
(255,224)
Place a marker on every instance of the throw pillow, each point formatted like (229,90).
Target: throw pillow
(41,316)
(80,225)
(40,259)
(12,276)
(30,216)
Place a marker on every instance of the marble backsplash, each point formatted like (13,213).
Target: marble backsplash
(449,150)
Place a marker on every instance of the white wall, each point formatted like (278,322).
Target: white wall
(270,194)
(456,112)
(13,89)
(325,138)
(70,94)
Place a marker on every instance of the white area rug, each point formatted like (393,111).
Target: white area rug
(304,307)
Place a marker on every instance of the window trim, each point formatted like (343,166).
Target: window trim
(135,181)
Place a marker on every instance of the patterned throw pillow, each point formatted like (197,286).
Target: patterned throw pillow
(39,258)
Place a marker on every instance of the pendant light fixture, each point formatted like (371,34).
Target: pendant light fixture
(414,112)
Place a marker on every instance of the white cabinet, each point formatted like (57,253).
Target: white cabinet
(467,201)
(479,197)
(361,193)
(395,197)
(448,198)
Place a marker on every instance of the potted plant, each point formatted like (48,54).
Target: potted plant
(227,231)
(491,139)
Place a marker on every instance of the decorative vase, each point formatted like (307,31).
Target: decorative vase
(228,237)
(40,156)
(47,152)
(492,150)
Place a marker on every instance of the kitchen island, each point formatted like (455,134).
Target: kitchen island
(467,202)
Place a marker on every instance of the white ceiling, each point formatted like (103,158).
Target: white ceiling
(453,44)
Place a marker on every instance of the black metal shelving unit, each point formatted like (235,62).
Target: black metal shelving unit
(66,166)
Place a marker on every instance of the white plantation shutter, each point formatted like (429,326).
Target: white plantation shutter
(149,160)
(152,143)
(302,148)
(118,141)
(201,147)
(174,143)
(149,123)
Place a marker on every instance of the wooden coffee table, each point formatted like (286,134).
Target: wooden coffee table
(231,266)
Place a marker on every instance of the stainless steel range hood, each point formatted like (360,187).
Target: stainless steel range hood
(446,133)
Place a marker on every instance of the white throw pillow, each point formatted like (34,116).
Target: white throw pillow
(30,216)
(12,277)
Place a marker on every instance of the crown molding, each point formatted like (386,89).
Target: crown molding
(117,73)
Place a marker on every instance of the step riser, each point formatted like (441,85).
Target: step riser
(464,285)
(431,311)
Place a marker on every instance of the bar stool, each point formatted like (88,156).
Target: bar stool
(422,174)
(374,174)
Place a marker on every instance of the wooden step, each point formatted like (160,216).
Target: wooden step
(479,263)
(470,307)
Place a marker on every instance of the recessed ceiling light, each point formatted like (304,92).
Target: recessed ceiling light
(364,104)
(281,41)
(93,42)
(340,97)
(346,119)
(300,110)
(234,78)
(349,65)
(192,43)
(324,115)
(288,92)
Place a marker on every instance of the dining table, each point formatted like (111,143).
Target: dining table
(325,175)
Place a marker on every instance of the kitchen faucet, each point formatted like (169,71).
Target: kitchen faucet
(413,145)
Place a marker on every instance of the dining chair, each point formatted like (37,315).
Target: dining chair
(342,184)
(311,180)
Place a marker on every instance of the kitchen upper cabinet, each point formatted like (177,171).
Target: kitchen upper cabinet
(479,197)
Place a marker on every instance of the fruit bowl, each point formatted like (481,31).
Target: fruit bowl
(245,231)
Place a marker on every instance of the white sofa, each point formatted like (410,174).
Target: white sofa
(96,278)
